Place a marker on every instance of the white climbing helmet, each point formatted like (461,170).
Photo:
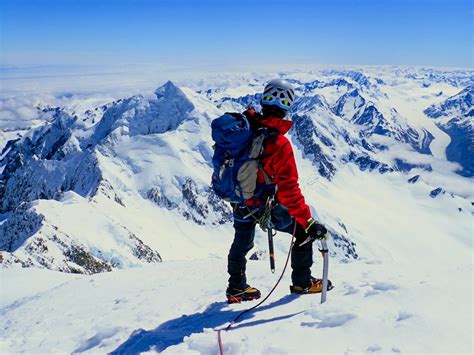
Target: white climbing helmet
(279,93)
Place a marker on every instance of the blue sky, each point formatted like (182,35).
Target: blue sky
(211,33)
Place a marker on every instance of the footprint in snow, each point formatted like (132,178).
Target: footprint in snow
(328,320)
(384,286)
(403,316)
(373,348)
(377,348)
(350,290)
(373,262)
(378,287)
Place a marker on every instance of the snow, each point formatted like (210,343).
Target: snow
(406,287)
(392,306)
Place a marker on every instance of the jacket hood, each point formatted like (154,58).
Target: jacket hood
(281,125)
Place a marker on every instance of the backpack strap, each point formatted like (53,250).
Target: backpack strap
(267,178)
(265,133)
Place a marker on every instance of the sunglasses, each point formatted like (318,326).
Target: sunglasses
(270,99)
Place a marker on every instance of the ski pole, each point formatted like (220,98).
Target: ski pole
(271,250)
(325,252)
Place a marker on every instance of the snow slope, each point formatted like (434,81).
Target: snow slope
(410,292)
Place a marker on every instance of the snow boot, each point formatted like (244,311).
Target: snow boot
(237,295)
(316,286)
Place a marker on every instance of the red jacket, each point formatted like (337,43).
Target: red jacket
(279,163)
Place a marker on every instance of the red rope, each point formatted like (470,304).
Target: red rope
(219,340)
(219,337)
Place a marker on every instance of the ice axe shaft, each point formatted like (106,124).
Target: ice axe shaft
(325,252)
(271,251)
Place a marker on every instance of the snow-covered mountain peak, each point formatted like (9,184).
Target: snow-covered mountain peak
(140,116)
(461,104)
(349,103)
(169,90)
(44,142)
(357,77)
(114,162)
(308,103)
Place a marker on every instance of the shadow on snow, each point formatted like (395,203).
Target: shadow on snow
(173,331)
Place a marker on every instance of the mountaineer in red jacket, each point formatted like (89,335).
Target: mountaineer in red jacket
(278,165)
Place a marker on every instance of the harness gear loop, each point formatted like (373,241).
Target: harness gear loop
(265,220)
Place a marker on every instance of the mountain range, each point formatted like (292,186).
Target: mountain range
(155,152)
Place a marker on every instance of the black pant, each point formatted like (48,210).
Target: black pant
(301,257)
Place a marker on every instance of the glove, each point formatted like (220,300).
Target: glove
(314,231)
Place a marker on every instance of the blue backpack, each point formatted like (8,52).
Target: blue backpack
(237,151)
